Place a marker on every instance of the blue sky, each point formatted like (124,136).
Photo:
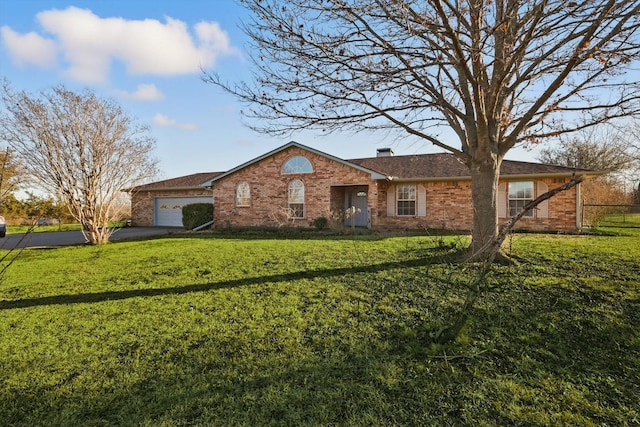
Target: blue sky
(147,55)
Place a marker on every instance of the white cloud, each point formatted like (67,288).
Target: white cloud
(164,121)
(144,92)
(90,43)
(29,48)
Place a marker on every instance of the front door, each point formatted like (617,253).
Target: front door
(356,197)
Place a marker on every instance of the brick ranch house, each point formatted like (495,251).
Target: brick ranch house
(295,185)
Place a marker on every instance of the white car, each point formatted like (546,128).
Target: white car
(3,227)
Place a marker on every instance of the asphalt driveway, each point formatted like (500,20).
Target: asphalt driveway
(63,238)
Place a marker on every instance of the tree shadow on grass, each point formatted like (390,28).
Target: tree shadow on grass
(342,388)
(95,297)
(295,233)
(531,373)
(553,357)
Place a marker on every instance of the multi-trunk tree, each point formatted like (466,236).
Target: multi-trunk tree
(498,73)
(12,176)
(81,148)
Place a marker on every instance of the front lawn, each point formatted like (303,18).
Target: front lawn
(233,330)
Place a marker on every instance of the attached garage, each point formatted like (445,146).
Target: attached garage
(160,203)
(168,210)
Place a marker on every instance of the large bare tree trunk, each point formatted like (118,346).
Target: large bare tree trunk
(485,173)
(490,251)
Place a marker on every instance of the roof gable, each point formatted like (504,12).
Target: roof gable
(374,174)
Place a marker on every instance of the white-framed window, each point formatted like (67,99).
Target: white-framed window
(297,164)
(520,193)
(243,194)
(406,200)
(296,198)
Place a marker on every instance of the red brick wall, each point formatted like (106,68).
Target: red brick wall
(269,191)
(449,207)
(562,210)
(142,203)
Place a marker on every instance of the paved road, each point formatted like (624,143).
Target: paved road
(63,238)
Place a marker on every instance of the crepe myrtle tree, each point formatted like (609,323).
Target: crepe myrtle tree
(82,148)
(499,73)
(12,176)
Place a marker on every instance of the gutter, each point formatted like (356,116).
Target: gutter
(170,189)
(587,175)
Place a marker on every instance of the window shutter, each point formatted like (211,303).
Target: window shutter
(543,208)
(421,200)
(391,200)
(502,200)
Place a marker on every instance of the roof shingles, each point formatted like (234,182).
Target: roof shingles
(447,166)
(193,181)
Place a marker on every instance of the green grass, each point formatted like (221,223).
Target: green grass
(233,330)
(620,220)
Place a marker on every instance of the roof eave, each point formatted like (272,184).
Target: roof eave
(379,177)
(587,174)
(199,187)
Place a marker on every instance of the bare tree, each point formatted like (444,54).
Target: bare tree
(604,149)
(499,73)
(634,137)
(12,176)
(592,149)
(82,148)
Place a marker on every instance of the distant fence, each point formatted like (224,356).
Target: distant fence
(608,215)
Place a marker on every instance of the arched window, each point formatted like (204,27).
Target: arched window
(297,164)
(296,199)
(243,194)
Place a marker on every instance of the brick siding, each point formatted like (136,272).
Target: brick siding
(448,207)
(324,191)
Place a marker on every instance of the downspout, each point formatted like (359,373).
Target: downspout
(213,202)
(578,207)
(200,227)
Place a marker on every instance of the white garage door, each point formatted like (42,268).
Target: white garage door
(168,210)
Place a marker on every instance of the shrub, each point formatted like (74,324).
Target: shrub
(320,223)
(196,214)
